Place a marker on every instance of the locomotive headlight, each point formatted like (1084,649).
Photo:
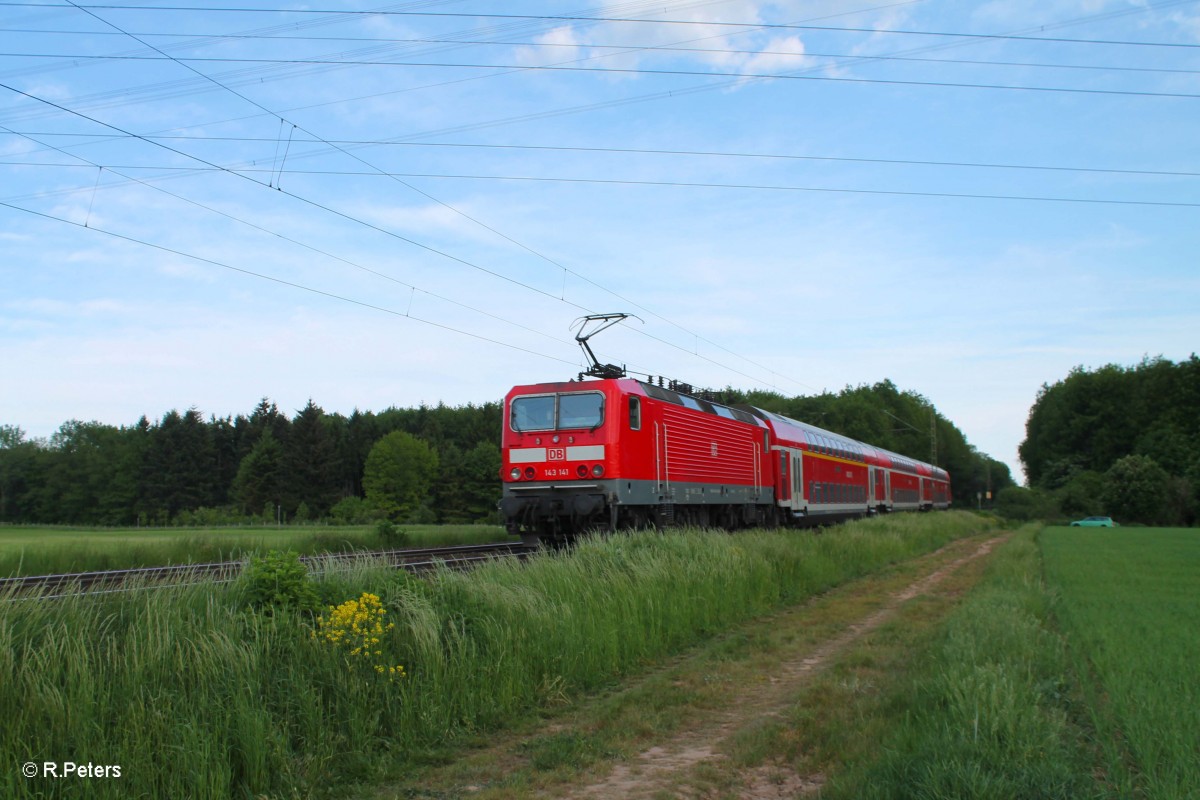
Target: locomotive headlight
(529,473)
(581,471)
(515,474)
(598,470)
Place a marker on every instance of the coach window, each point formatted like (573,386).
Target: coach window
(635,413)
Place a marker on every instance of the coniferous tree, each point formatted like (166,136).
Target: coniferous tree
(309,463)
(259,485)
(181,463)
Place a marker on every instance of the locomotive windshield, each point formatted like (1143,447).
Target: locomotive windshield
(551,412)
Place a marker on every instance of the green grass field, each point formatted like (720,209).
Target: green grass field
(982,712)
(44,550)
(1129,603)
(1071,671)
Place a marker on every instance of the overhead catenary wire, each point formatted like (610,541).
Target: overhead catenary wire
(786,26)
(695,73)
(282,281)
(359,221)
(490,177)
(589,149)
(292,240)
(857,59)
(885,161)
(556,112)
(676,92)
(472,219)
(74,58)
(669,184)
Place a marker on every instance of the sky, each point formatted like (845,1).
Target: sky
(374,205)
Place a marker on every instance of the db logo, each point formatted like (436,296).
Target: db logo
(557,454)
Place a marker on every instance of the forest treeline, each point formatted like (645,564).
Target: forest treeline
(426,464)
(184,469)
(1117,441)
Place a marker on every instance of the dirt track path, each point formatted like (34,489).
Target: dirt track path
(662,770)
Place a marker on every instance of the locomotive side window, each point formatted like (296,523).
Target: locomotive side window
(533,413)
(635,413)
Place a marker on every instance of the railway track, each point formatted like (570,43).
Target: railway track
(119,580)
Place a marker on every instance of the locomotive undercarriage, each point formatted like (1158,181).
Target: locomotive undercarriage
(554,513)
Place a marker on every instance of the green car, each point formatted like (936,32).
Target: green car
(1094,522)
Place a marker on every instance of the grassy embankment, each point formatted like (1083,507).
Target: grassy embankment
(195,695)
(46,550)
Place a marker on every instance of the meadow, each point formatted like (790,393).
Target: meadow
(1129,603)
(205,691)
(1071,671)
(47,549)
(984,709)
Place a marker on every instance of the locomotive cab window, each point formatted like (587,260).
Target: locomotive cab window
(533,413)
(548,412)
(580,410)
(635,413)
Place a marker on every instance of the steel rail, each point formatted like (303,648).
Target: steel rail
(179,575)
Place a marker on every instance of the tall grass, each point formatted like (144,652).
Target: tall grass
(1130,602)
(52,550)
(194,694)
(986,715)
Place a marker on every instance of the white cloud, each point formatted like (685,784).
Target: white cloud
(558,46)
(430,218)
(779,55)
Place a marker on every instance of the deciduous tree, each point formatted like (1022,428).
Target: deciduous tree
(1137,490)
(399,473)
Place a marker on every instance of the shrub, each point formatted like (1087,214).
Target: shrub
(353,511)
(390,534)
(1136,490)
(279,581)
(1021,504)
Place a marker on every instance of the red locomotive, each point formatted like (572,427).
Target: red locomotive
(618,452)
